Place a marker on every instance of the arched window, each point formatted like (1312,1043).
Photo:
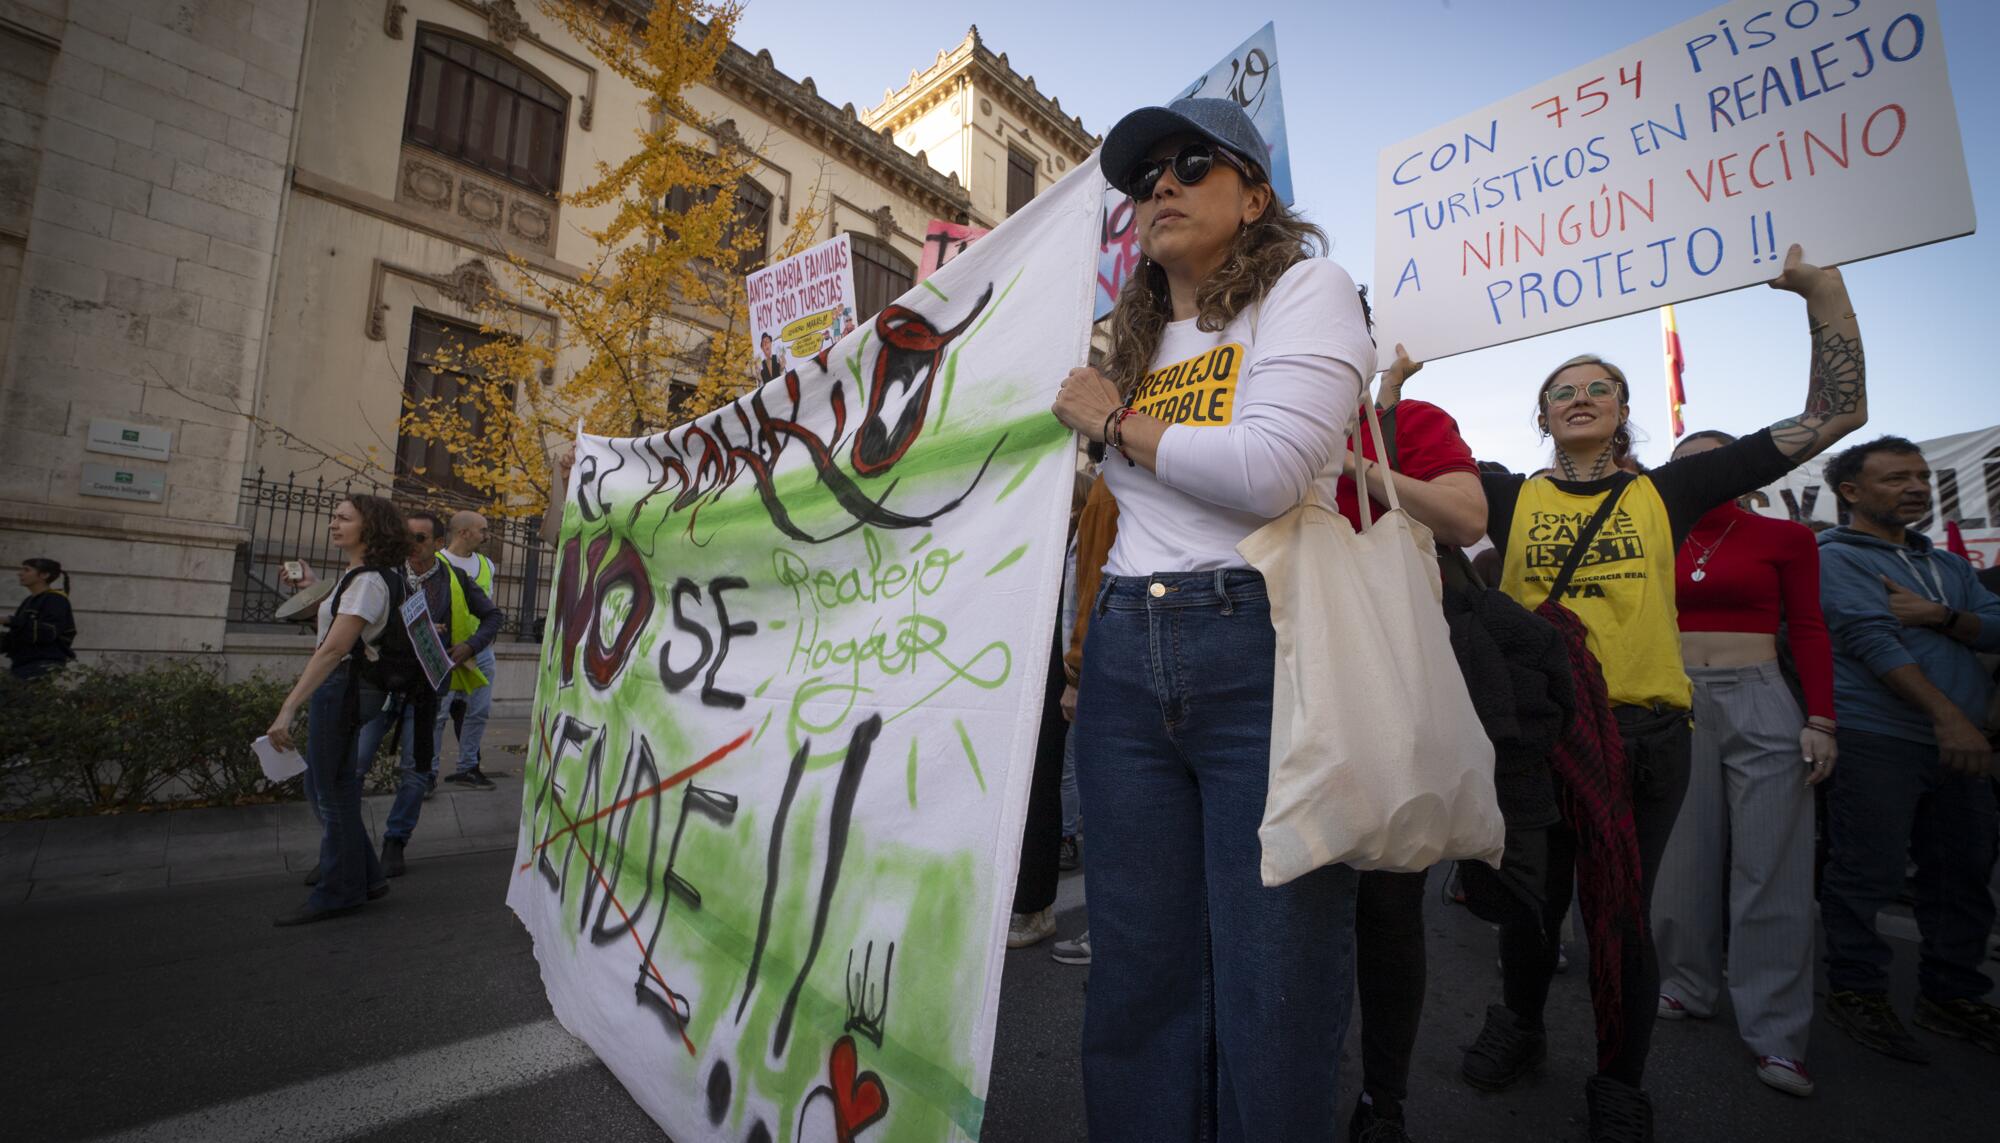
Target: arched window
(753,214)
(485,110)
(880,274)
(439,373)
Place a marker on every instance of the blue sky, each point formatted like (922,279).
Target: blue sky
(1359,76)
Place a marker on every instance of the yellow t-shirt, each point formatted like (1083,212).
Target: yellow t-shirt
(1623,591)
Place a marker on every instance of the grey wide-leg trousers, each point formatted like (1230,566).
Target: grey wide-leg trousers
(1735,891)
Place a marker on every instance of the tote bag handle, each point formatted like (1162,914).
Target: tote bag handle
(1372,421)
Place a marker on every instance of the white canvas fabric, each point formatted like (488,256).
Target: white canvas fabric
(787,709)
(1378,759)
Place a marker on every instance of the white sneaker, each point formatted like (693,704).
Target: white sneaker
(1785,1074)
(1672,1009)
(1074,951)
(1031,928)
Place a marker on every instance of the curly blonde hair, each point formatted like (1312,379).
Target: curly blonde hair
(1263,251)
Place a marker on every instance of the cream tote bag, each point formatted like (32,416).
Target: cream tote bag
(1378,759)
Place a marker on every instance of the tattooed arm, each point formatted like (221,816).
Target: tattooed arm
(1836,391)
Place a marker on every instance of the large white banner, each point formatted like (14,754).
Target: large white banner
(1247,76)
(801,305)
(1682,166)
(787,707)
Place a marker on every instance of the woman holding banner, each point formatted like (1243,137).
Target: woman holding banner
(1592,548)
(1237,360)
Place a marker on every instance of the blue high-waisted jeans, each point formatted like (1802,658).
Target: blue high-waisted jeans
(334,771)
(1216,1007)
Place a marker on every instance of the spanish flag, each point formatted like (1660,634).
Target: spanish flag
(1676,364)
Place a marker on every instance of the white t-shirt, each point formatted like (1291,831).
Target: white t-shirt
(368,597)
(1256,413)
(467,564)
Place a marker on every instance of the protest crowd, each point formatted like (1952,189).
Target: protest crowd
(1702,720)
(1681,697)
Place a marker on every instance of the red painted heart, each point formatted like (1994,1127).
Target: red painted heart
(857,1100)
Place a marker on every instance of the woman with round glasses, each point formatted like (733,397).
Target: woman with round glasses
(1216,1006)
(1618,816)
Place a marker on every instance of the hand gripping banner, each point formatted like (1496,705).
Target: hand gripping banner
(786,712)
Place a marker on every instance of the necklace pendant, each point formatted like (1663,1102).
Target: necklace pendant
(1698,575)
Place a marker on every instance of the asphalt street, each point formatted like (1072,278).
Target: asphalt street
(180,1013)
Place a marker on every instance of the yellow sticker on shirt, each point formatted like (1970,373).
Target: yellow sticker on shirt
(1200,391)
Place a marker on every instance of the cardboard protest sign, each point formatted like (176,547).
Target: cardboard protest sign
(801,305)
(416,611)
(1682,166)
(944,241)
(787,708)
(1248,75)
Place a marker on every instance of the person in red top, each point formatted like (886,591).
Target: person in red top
(1436,478)
(1437,482)
(1738,870)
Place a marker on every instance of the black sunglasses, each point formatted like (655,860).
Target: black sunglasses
(1190,166)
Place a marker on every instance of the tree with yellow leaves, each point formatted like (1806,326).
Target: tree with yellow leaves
(657,325)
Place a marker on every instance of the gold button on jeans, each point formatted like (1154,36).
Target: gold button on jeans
(1158,590)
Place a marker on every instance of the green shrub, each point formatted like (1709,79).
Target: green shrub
(94,738)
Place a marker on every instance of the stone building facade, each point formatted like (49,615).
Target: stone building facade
(147,147)
(977,118)
(213,208)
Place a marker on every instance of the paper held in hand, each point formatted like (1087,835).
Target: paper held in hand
(424,637)
(278,764)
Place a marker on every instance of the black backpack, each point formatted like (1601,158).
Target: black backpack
(395,668)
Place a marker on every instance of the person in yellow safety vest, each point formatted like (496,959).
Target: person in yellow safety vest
(473,680)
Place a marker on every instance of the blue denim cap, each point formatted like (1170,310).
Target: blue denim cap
(1220,121)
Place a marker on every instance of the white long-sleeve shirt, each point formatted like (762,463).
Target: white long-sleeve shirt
(1257,412)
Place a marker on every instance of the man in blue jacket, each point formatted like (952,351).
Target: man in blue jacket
(1906,619)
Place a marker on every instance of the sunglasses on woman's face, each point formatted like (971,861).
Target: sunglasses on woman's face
(1190,165)
(1565,393)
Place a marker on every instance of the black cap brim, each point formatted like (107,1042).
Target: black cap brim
(1135,135)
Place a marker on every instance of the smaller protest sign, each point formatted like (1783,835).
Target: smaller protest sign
(424,637)
(1682,166)
(944,241)
(801,305)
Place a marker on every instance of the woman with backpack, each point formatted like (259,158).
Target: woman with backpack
(339,694)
